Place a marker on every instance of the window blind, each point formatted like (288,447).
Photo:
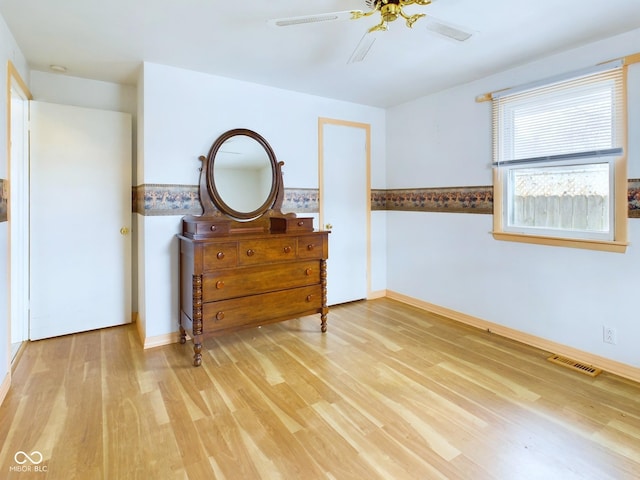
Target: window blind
(566,119)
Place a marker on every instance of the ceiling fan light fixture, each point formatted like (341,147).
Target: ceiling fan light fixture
(390,10)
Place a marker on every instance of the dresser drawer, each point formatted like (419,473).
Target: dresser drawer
(291,224)
(259,309)
(312,246)
(238,282)
(219,255)
(201,227)
(266,250)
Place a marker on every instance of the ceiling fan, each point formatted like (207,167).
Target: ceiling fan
(389,10)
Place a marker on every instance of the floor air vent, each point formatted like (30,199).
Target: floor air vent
(573,365)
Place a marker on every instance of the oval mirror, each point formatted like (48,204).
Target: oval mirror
(242,174)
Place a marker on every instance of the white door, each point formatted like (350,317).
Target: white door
(344,207)
(80,247)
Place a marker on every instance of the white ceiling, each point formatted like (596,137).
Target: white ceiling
(108,39)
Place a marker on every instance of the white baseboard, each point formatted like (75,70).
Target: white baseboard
(160,340)
(140,328)
(377,294)
(152,342)
(4,387)
(606,364)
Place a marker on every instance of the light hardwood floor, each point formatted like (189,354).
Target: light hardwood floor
(389,392)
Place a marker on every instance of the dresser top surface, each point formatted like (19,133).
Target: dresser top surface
(252,236)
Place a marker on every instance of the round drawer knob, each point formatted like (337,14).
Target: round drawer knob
(309,298)
(287,249)
(219,284)
(311,246)
(219,316)
(213,228)
(220,255)
(308,272)
(250,253)
(301,223)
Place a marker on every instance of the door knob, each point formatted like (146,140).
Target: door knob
(124,231)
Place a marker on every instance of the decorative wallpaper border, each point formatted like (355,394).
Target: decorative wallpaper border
(155,199)
(301,200)
(633,196)
(158,199)
(4,199)
(162,199)
(444,199)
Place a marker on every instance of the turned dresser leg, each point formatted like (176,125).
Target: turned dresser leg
(323,286)
(183,335)
(197,320)
(197,357)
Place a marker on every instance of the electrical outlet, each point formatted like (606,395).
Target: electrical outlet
(609,335)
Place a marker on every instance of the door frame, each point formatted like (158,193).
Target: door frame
(18,217)
(322,121)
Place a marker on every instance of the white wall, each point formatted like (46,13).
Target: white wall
(9,50)
(560,294)
(82,92)
(184,112)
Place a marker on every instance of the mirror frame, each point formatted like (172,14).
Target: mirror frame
(217,199)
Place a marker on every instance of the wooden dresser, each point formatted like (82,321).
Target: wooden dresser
(250,280)
(237,273)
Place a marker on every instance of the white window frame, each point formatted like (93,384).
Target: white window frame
(506,161)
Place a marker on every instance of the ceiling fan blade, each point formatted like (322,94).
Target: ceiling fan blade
(363,47)
(446,29)
(322,17)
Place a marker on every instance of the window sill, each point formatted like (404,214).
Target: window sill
(600,245)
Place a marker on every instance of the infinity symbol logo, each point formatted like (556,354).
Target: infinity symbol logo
(26,457)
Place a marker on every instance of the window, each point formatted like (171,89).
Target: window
(559,161)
